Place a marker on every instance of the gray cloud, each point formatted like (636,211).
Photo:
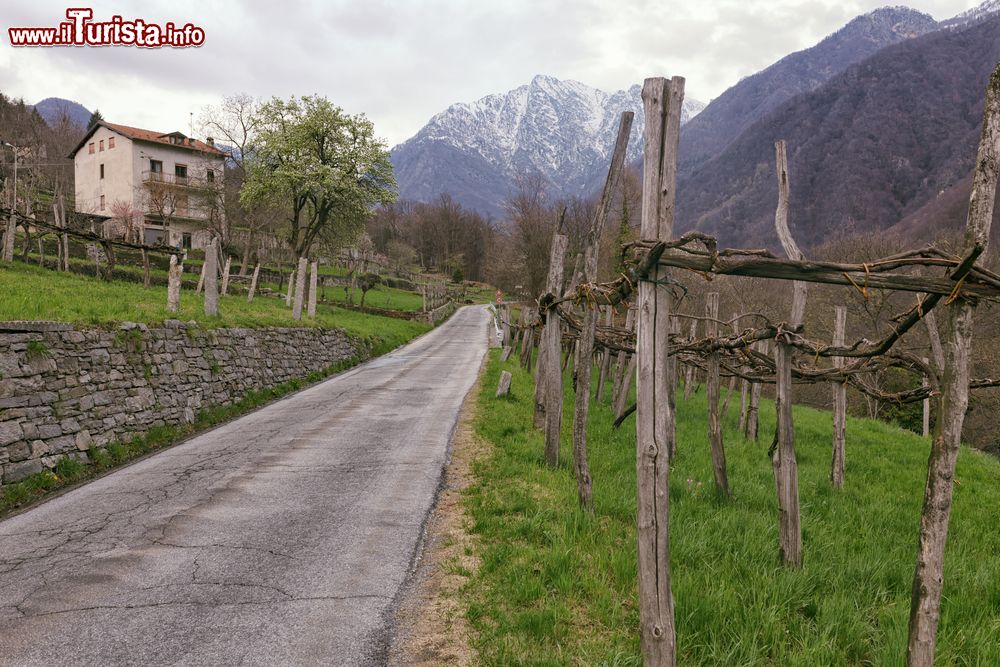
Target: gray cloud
(400,61)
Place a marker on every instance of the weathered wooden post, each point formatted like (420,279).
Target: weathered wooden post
(786,471)
(690,372)
(503,387)
(585,344)
(605,356)
(225,275)
(732,380)
(839,403)
(548,344)
(753,406)
(8,236)
(313,284)
(291,288)
(211,272)
(201,277)
(712,392)
(928,579)
(926,431)
(253,283)
(300,287)
(654,417)
(174,285)
(145,268)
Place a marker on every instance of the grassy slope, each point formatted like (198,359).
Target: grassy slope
(559,587)
(31,293)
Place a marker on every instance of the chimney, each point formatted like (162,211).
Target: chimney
(210,141)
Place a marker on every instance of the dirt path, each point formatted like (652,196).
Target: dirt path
(431,628)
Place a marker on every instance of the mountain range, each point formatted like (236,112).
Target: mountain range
(54,109)
(880,117)
(561,130)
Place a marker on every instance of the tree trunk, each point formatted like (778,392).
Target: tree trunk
(654,418)
(8,239)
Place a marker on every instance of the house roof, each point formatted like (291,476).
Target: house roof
(151,136)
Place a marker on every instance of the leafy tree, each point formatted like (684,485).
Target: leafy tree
(325,168)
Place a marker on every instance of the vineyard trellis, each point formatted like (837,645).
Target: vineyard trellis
(740,352)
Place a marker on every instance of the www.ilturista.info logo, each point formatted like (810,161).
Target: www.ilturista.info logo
(80,30)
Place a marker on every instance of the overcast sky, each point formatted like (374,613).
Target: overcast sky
(400,61)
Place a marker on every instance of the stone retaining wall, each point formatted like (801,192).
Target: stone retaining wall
(65,391)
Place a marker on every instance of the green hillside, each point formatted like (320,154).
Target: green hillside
(558,587)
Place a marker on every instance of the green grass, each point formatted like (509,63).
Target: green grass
(558,587)
(32,293)
(70,471)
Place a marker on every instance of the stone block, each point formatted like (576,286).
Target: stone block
(84,441)
(10,431)
(15,472)
(46,431)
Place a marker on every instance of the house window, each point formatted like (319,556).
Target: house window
(102,145)
(210,175)
(155,170)
(102,202)
(186,241)
(91,147)
(102,171)
(180,171)
(111,143)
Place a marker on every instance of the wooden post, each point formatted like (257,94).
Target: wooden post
(783,461)
(253,283)
(210,271)
(201,277)
(503,387)
(927,408)
(654,417)
(928,579)
(605,357)
(291,287)
(225,275)
(839,403)
(689,374)
(548,344)
(712,392)
(174,285)
(621,361)
(313,281)
(300,287)
(585,343)
(145,268)
(753,408)
(732,380)
(8,237)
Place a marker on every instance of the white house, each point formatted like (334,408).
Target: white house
(166,187)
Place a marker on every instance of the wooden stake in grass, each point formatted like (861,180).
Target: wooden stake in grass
(654,418)
(291,288)
(210,270)
(690,371)
(928,579)
(839,403)
(712,391)
(786,469)
(313,280)
(225,275)
(605,358)
(585,343)
(253,283)
(548,344)
(201,277)
(174,285)
(300,288)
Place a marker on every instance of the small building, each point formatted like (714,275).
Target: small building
(156,188)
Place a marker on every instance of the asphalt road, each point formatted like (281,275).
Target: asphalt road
(281,538)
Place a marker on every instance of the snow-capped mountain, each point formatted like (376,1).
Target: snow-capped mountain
(562,130)
(974,15)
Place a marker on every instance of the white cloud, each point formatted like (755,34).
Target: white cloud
(401,61)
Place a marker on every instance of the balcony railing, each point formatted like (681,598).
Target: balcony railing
(180,181)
